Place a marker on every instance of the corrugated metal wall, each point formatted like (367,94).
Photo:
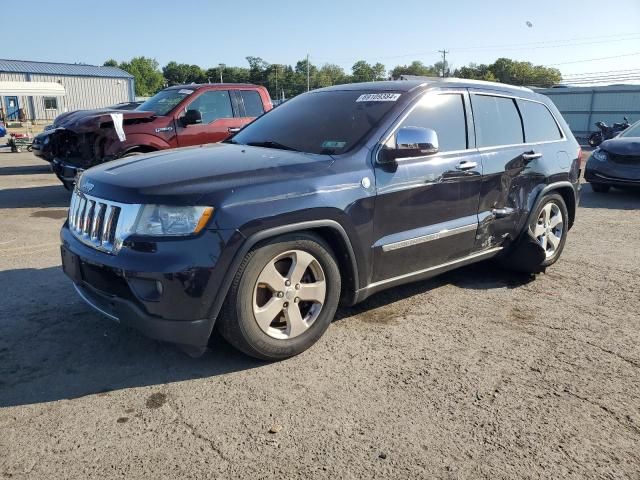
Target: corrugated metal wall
(582,107)
(81,93)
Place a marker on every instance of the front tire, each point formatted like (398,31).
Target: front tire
(600,187)
(595,139)
(549,227)
(283,297)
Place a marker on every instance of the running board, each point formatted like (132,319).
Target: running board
(424,273)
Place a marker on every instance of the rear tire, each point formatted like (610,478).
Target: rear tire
(550,225)
(283,297)
(600,187)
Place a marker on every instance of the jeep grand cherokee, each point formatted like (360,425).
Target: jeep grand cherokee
(331,197)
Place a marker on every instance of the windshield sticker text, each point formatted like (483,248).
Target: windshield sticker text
(378,97)
(333,144)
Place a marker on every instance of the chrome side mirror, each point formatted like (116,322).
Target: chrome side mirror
(412,142)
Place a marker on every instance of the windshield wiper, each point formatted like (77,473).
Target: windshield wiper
(271,144)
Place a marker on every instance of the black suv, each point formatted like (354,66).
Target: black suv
(329,198)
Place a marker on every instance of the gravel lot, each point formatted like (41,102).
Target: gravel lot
(476,374)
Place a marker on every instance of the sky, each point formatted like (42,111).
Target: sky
(564,34)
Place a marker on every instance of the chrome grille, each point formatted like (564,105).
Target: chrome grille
(101,224)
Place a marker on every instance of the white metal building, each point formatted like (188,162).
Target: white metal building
(85,87)
(582,107)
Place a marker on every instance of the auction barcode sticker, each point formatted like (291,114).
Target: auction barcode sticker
(378,97)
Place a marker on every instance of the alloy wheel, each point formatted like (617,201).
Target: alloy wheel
(549,228)
(289,294)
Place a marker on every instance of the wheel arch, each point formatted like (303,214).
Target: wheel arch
(568,193)
(139,149)
(332,232)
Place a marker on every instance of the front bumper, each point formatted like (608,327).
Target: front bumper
(595,176)
(65,171)
(164,288)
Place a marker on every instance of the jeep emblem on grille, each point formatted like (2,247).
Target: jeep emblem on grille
(86,187)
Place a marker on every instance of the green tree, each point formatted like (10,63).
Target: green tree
(415,68)
(148,79)
(361,71)
(181,73)
(513,72)
(110,63)
(330,74)
(379,72)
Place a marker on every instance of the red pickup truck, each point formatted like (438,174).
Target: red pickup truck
(178,116)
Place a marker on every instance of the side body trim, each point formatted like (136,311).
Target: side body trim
(425,273)
(428,238)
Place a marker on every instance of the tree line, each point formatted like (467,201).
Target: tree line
(290,80)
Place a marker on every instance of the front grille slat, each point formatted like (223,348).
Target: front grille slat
(95,222)
(81,209)
(88,215)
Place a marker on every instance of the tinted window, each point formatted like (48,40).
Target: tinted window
(445,115)
(539,124)
(163,102)
(252,103)
(326,122)
(497,121)
(632,131)
(213,105)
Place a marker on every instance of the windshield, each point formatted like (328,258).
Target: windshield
(329,122)
(163,102)
(632,131)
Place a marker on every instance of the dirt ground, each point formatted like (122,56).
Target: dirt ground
(479,373)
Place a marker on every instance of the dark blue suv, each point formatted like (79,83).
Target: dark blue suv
(327,199)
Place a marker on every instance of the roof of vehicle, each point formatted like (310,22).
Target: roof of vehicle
(52,68)
(196,86)
(419,82)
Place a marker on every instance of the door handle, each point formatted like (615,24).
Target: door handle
(466,166)
(233,129)
(528,156)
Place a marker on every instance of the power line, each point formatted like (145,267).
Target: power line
(549,44)
(612,74)
(517,46)
(593,59)
(603,72)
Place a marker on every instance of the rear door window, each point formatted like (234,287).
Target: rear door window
(497,121)
(252,103)
(445,114)
(539,124)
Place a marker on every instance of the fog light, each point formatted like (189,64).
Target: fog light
(146,289)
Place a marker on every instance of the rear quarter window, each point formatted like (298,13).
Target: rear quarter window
(497,121)
(539,124)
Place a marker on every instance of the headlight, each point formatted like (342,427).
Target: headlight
(160,220)
(600,155)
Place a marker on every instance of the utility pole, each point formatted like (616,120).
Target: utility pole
(221,67)
(308,77)
(276,67)
(444,62)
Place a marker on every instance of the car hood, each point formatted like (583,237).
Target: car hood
(622,146)
(186,175)
(87,120)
